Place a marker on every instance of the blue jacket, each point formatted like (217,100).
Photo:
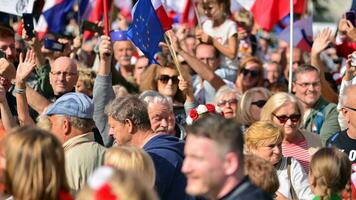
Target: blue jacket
(167,154)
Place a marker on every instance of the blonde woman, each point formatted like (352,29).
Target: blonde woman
(251,104)
(285,110)
(133,159)
(264,139)
(85,83)
(330,170)
(35,165)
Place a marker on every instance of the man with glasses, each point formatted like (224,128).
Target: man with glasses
(320,116)
(346,139)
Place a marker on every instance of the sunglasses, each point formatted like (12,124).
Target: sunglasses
(253,73)
(165,78)
(284,118)
(230,101)
(259,103)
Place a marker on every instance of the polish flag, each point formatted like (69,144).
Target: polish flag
(165,21)
(188,15)
(302,34)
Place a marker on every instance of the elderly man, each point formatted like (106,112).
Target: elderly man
(320,116)
(71,117)
(63,78)
(123,53)
(346,139)
(160,112)
(130,124)
(214,161)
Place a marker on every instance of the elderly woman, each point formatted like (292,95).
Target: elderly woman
(284,110)
(251,104)
(250,74)
(227,99)
(264,139)
(163,79)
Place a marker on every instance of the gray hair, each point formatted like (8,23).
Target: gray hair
(224,90)
(151,96)
(343,98)
(132,108)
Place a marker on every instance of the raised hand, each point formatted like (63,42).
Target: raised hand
(25,66)
(185,86)
(203,37)
(2,94)
(105,48)
(321,41)
(350,72)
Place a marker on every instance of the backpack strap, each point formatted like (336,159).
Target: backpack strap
(291,189)
(318,120)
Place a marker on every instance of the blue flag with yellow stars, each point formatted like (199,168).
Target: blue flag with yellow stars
(145,31)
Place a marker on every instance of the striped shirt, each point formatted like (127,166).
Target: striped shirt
(299,151)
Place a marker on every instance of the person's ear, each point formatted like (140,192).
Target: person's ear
(66,125)
(293,87)
(130,126)
(231,163)
(345,113)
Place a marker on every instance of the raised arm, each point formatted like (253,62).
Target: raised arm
(24,70)
(319,45)
(7,118)
(103,92)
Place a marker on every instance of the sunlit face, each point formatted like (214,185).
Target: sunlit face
(307,88)
(212,9)
(202,166)
(269,150)
(228,104)
(287,110)
(272,72)
(206,54)
(140,66)
(7,45)
(161,117)
(250,75)
(80,87)
(123,52)
(256,105)
(63,76)
(168,85)
(119,131)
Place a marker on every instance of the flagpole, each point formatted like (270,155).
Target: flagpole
(197,14)
(79,23)
(290,46)
(106,19)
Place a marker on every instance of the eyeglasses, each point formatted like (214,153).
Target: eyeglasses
(253,73)
(284,118)
(224,102)
(259,103)
(165,78)
(305,85)
(65,74)
(353,109)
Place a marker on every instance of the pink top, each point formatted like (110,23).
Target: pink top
(299,151)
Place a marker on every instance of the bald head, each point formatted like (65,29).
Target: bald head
(64,75)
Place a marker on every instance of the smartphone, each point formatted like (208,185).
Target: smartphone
(350,15)
(28,24)
(92,27)
(53,45)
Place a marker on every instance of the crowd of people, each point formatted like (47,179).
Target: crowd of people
(99,121)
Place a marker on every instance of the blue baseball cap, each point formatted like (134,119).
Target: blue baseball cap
(72,104)
(118,35)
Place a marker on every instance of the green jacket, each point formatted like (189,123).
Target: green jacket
(323,119)
(333,197)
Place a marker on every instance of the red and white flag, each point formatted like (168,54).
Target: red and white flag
(302,34)
(267,13)
(165,21)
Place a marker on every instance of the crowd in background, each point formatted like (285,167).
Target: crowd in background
(99,121)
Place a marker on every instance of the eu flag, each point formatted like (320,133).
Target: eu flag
(145,31)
